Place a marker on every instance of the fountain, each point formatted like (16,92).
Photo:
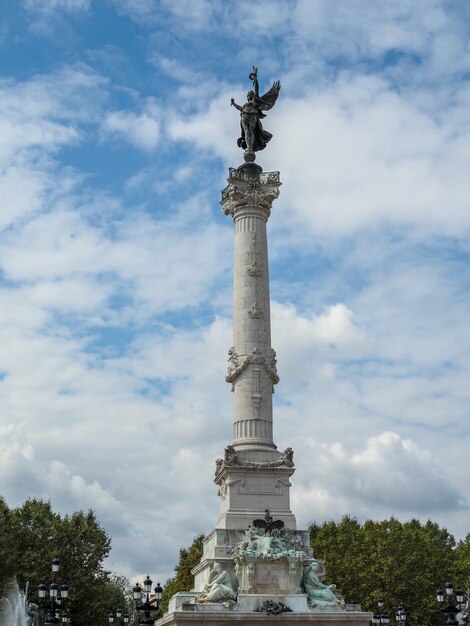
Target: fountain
(13,611)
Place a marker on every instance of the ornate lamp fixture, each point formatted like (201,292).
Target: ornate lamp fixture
(56,596)
(448,607)
(146,606)
(379,617)
(400,616)
(117,616)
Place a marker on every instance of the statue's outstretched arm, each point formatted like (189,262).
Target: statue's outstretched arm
(234,104)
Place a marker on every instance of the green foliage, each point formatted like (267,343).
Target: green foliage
(7,550)
(183,580)
(461,564)
(33,534)
(401,562)
(114,594)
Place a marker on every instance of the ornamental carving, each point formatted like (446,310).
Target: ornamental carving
(254,259)
(256,312)
(228,482)
(248,194)
(264,177)
(272,545)
(238,364)
(231,459)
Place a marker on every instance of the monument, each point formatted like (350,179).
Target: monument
(255,562)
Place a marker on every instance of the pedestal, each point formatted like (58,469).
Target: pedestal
(194,615)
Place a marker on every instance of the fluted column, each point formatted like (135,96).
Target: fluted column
(252,361)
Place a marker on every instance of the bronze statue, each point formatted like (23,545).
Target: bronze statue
(253,136)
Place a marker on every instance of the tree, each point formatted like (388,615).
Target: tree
(401,562)
(33,534)
(116,593)
(461,564)
(7,549)
(183,580)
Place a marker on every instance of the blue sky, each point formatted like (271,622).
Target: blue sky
(115,259)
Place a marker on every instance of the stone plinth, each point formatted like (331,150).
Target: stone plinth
(267,577)
(251,482)
(250,602)
(218,547)
(246,491)
(180,598)
(198,615)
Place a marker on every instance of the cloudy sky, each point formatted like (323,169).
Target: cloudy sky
(116,261)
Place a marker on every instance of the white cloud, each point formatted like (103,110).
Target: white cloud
(115,311)
(333,327)
(371,157)
(187,14)
(389,474)
(50,480)
(141,130)
(210,128)
(49,6)
(356,154)
(195,15)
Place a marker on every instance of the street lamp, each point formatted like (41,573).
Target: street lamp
(112,617)
(400,616)
(449,608)
(56,595)
(379,617)
(146,606)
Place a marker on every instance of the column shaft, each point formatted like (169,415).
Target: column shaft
(252,362)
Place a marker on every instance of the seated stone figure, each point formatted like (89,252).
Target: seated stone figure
(219,588)
(33,616)
(319,594)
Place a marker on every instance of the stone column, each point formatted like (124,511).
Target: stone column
(252,361)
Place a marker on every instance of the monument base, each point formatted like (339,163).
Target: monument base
(217,615)
(218,547)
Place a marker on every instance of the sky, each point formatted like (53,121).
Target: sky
(116,135)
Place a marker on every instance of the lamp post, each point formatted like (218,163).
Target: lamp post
(146,606)
(378,617)
(117,616)
(56,595)
(400,616)
(449,608)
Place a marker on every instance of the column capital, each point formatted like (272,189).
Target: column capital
(250,193)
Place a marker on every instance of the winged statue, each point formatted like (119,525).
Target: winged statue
(253,136)
(268,523)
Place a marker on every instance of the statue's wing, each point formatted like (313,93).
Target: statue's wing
(259,523)
(267,101)
(278,524)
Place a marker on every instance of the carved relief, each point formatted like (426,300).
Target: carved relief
(264,177)
(256,396)
(281,481)
(270,364)
(268,487)
(250,577)
(228,482)
(256,312)
(254,259)
(294,577)
(238,364)
(241,193)
(231,459)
